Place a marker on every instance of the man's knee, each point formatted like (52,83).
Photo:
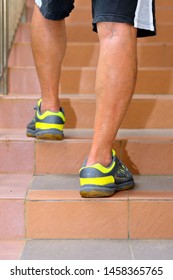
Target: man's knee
(116,31)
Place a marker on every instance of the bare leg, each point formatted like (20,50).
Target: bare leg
(115,82)
(48,41)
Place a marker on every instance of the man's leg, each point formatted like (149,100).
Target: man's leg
(115,81)
(104,173)
(119,23)
(48,41)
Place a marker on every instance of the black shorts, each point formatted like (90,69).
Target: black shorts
(139,13)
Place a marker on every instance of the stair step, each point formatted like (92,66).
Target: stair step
(87,249)
(39,204)
(164,14)
(17,152)
(92,249)
(86,55)
(149,143)
(163,34)
(54,209)
(23,80)
(13,188)
(24,155)
(155,111)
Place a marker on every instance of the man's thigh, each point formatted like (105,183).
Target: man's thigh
(55,9)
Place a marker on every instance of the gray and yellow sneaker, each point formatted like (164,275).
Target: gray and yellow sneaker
(100,181)
(48,125)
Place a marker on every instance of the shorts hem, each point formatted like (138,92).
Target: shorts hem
(51,16)
(113,18)
(144,29)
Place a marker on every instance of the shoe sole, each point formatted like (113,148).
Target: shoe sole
(30,135)
(45,135)
(125,186)
(94,191)
(48,136)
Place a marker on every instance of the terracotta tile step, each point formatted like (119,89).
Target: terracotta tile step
(155,148)
(143,151)
(163,34)
(81,80)
(75,33)
(164,14)
(155,111)
(13,189)
(83,33)
(86,55)
(54,209)
(17,152)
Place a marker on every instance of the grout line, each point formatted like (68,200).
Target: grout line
(131,249)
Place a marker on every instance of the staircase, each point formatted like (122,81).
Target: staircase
(39,197)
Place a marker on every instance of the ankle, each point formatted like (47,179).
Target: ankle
(103,158)
(49,106)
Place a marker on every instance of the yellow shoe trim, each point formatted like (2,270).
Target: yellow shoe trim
(100,181)
(49,113)
(45,126)
(100,167)
(39,102)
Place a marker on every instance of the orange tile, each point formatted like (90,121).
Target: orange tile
(60,157)
(23,80)
(77,219)
(151,220)
(14,185)
(12,219)
(151,111)
(81,33)
(18,156)
(54,195)
(148,157)
(154,80)
(21,55)
(150,195)
(155,55)
(80,14)
(81,55)
(79,79)
(164,15)
(80,111)
(163,32)
(168,3)
(22,116)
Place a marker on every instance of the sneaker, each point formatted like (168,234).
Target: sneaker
(99,181)
(48,125)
